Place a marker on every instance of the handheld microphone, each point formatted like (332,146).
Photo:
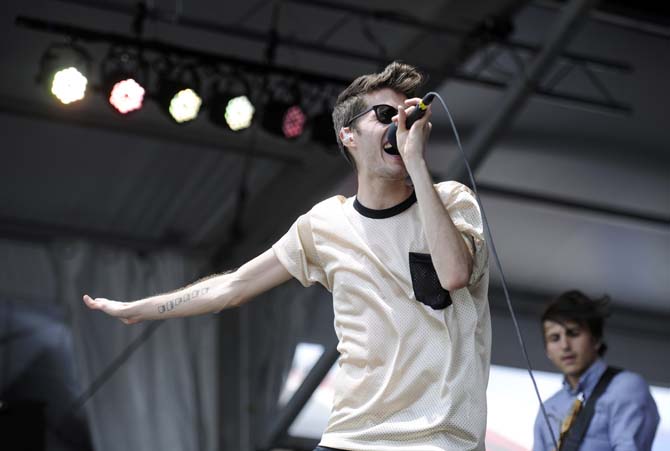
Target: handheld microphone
(417,114)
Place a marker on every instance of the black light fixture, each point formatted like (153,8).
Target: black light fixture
(230,103)
(323,130)
(283,114)
(64,69)
(124,79)
(178,92)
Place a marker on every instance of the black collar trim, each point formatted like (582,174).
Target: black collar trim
(386,212)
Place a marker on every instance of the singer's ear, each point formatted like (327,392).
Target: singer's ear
(347,136)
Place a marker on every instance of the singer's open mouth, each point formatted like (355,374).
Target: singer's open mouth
(387,147)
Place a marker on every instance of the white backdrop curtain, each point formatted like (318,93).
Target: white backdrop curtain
(165,395)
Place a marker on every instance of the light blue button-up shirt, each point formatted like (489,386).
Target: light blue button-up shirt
(625,417)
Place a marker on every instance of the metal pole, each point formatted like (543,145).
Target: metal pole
(244,386)
(289,413)
(590,208)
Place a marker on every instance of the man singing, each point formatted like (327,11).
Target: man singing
(407,265)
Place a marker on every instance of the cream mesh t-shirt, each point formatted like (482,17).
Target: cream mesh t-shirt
(410,377)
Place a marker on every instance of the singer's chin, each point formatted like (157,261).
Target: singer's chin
(396,161)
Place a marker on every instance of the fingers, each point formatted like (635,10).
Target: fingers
(408,110)
(427,128)
(413,102)
(426,116)
(112,308)
(400,118)
(99,304)
(95,304)
(91,303)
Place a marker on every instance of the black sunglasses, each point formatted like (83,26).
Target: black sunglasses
(383,112)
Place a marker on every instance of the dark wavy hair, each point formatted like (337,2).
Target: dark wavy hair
(576,306)
(397,76)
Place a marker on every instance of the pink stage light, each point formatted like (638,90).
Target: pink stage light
(126,96)
(294,122)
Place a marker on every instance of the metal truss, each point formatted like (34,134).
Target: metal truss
(500,62)
(498,65)
(639,218)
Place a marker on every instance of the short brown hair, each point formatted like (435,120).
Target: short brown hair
(399,77)
(575,306)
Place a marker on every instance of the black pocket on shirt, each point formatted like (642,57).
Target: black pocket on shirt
(426,285)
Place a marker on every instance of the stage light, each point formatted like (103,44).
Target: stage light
(178,94)
(69,85)
(293,122)
(239,113)
(285,119)
(230,105)
(283,114)
(323,131)
(123,73)
(126,96)
(64,69)
(185,105)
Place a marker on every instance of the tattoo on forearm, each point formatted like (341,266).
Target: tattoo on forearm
(174,303)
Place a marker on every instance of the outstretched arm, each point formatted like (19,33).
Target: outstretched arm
(208,295)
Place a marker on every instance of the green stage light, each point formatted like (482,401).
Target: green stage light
(185,105)
(239,113)
(179,94)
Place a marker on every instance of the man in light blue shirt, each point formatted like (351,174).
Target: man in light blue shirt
(625,417)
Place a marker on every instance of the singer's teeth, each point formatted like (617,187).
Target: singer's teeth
(387,146)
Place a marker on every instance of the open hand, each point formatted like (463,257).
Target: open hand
(120,310)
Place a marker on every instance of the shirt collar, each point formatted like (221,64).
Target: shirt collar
(386,212)
(588,380)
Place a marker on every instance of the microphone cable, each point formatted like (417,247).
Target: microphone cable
(522,343)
